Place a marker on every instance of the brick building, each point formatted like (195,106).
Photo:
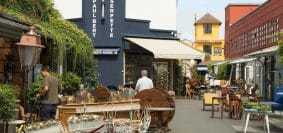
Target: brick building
(248,28)
(250,33)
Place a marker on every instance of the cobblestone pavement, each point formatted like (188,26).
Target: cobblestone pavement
(189,118)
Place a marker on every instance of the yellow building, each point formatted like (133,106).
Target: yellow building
(207,37)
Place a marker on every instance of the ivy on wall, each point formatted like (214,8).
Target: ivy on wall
(48,20)
(279,35)
(42,14)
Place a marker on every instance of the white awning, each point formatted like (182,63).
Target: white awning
(241,60)
(167,49)
(219,63)
(266,51)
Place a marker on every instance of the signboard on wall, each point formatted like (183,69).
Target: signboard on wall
(202,68)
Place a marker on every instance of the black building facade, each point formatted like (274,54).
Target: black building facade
(106,23)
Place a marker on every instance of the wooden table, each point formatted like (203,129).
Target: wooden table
(122,109)
(221,100)
(159,111)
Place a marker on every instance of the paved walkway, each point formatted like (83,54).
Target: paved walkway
(189,118)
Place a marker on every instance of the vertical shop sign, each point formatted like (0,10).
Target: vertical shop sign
(93,18)
(111,18)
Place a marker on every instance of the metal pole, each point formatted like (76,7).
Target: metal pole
(84,70)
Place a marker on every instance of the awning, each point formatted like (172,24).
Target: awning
(241,60)
(264,52)
(219,63)
(167,49)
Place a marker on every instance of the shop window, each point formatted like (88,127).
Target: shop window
(217,51)
(207,48)
(207,28)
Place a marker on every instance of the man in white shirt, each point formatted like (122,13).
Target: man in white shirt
(144,82)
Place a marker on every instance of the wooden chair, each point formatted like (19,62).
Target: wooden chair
(207,99)
(235,106)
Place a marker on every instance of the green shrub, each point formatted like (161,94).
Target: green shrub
(71,83)
(7,101)
(30,94)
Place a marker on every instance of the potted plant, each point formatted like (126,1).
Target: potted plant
(7,103)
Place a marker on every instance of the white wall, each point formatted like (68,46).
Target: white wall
(69,9)
(161,13)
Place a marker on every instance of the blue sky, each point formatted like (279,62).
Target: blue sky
(187,9)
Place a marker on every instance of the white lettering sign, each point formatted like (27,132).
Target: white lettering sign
(93,18)
(111,18)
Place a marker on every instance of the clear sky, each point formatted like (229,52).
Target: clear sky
(187,9)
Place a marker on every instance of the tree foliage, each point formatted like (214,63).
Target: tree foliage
(223,71)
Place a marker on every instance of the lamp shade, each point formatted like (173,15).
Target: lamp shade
(29,47)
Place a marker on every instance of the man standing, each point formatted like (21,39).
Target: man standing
(144,82)
(49,94)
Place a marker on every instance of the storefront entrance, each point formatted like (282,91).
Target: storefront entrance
(158,69)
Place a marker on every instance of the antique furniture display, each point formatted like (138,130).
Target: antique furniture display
(207,99)
(102,94)
(154,98)
(121,109)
